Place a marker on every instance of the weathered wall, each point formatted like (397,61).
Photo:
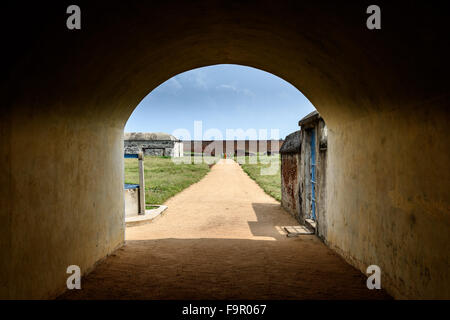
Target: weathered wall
(388,194)
(317,127)
(301,192)
(305,175)
(322,167)
(290,174)
(383,94)
(61,194)
(290,183)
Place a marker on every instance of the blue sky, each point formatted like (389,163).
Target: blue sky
(222,97)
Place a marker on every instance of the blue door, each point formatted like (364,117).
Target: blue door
(313,174)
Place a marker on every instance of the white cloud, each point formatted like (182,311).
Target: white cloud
(174,83)
(226,86)
(197,78)
(233,88)
(171,86)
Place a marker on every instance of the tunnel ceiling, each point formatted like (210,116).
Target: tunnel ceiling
(125,49)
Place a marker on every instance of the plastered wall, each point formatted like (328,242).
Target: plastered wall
(387,198)
(65,204)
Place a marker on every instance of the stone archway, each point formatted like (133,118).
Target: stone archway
(384,95)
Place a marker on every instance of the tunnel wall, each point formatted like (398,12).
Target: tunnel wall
(68,94)
(388,198)
(65,202)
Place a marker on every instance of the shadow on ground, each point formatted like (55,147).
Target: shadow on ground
(269,216)
(224,269)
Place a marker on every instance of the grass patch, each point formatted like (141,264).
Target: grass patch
(163,177)
(268,179)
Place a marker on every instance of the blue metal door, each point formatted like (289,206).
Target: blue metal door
(313,174)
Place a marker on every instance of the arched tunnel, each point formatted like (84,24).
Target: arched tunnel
(67,95)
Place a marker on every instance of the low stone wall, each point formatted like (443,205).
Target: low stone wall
(131,201)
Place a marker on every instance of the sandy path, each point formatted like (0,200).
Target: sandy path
(221,239)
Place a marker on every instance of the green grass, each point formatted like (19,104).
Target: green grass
(268,180)
(163,177)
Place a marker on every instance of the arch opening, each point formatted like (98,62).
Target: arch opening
(216,112)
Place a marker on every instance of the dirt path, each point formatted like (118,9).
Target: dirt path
(221,238)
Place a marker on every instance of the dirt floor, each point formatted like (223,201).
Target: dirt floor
(222,238)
